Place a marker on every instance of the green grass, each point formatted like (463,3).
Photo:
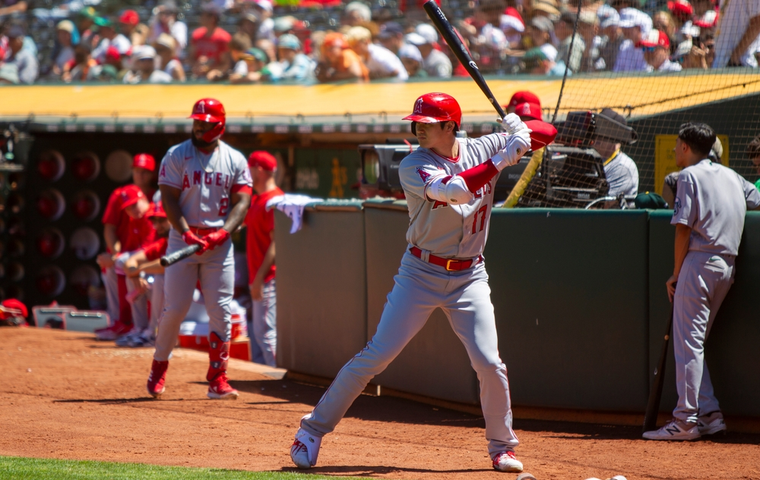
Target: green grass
(19,468)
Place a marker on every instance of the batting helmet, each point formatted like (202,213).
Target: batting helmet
(210,110)
(434,108)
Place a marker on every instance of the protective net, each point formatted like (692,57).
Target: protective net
(630,78)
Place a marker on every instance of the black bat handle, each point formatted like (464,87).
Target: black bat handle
(172,258)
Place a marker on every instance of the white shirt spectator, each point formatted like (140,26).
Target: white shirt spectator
(550,51)
(667,66)
(630,58)
(734,21)
(122,44)
(382,61)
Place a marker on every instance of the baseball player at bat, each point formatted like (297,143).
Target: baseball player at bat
(449,184)
(709,210)
(206,190)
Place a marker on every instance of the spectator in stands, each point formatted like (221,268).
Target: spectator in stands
(144,67)
(753,152)
(109,37)
(701,53)
(255,61)
(664,22)
(620,170)
(249,26)
(391,36)
(656,47)
(612,37)
(83,62)
(412,60)
(8,71)
(536,62)
(64,47)
(11,7)
(115,67)
(541,30)
(86,27)
(293,64)
(636,25)
(263,10)
(209,44)
(588,29)
(568,51)
(130,27)
(435,63)
(164,20)
(484,36)
(338,62)
(545,8)
(738,36)
(24,60)
(513,26)
(166,49)
(239,44)
(705,15)
(356,14)
(381,62)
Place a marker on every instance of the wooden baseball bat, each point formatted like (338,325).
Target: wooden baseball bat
(172,258)
(655,393)
(454,41)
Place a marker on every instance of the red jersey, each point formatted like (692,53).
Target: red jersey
(260,223)
(156,250)
(132,233)
(210,46)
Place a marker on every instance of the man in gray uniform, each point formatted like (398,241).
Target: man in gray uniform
(449,184)
(709,210)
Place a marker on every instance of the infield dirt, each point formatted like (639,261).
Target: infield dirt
(66,396)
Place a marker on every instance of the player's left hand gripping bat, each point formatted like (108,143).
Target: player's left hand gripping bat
(175,257)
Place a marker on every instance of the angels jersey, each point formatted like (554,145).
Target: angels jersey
(206,181)
(443,229)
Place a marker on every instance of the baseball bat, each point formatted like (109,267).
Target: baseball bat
(175,257)
(454,41)
(655,393)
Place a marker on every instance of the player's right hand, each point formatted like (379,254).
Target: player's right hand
(512,123)
(517,145)
(192,239)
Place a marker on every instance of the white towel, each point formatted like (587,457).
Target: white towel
(292,205)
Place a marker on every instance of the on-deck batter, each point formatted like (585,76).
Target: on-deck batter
(449,185)
(206,190)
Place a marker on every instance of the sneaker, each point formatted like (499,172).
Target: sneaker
(305,449)
(711,423)
(141,341)
(674,430)
(507,462)
(124,340)
(219,389)
(157,378)
(113,332)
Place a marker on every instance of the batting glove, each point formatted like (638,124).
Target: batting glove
(214,239)
(192,239)
(512,123)
(517,145)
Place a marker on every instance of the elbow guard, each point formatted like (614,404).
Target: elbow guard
(450,190)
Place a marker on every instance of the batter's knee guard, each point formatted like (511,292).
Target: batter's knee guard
(218,356)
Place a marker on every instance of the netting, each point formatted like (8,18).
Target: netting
(662,79)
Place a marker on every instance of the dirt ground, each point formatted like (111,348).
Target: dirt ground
(67,396)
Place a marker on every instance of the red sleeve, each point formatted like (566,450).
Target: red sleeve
(241,188)
(476,177)
(198,33)
(156,249)
(542,135)
(112,213)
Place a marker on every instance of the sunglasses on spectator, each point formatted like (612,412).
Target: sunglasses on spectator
(649,49)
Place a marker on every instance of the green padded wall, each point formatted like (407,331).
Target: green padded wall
(435,362)
(321,291)
(570,292)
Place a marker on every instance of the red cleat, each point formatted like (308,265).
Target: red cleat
(113,332)
(157,378)
(219,389)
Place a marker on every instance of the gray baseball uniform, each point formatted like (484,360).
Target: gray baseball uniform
(438,232)
(712,200)
(206,182)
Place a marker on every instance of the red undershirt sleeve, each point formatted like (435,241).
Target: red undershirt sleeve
(476,177)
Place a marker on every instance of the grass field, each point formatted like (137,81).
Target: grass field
(19,468)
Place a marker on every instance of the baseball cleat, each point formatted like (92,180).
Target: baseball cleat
(157,378)
(113,332)
(674,430)
(507,462)
(711,423)
(219,389)
(305,449)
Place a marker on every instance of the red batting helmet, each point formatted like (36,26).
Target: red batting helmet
(434,108)
(210,110)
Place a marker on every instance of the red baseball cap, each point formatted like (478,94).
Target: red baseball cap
(263,159)
(16,305)
(144,160)
(681,9)
(130,195)
(656,38)
(156,210)
(112,53)
(524,96)
(129,17)
(529,109)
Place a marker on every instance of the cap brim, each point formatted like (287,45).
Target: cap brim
(422,119)
(204,117)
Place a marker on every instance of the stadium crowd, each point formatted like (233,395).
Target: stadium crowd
(251,41)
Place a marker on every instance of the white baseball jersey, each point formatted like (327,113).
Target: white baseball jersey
(712,200)
(206,181)
(450,231)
